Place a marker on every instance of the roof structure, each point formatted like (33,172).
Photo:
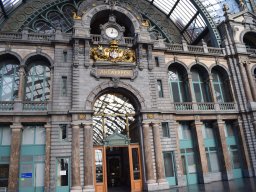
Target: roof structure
(192,17)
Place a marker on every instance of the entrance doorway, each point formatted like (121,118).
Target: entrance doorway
(117,169)
(116,138)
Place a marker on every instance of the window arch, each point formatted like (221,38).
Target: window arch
(221,85)
(200,81)
(38,82)
(178,82)
(9,79)
(250,40)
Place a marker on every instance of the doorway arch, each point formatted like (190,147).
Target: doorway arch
(116,139)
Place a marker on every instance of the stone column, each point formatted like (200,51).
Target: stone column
(247,170)
(47,157)
(191,91)
(13,183)
(76,181)
(245,83)
(251,81)
(201,149)
(148,153)
(212,90)
(21,83)
(88,157)
(160,175)
(225,157)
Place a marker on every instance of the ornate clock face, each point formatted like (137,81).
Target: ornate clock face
(111,32)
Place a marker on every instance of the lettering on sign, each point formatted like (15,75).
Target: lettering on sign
(114,73)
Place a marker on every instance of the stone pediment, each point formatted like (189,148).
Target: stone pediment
(116,139)
(244,17)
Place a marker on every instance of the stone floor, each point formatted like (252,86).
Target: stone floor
(236,185)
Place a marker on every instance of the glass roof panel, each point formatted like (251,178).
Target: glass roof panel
(164,5)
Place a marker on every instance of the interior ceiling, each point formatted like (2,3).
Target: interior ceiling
(184,13)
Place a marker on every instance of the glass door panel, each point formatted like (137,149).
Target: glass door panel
(62,175)
(99,169)
(170,171)
(135,168)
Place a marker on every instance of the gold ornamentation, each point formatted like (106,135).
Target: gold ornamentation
(150,116)
(75,16)
(82,116)
(113,53)
(145,23)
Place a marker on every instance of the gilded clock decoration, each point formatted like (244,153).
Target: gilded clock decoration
(113,53)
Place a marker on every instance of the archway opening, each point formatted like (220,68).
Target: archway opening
(250,40)
(116,142)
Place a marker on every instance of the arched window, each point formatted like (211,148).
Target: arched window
(221,86)
(38,82)
(9,79)
(178,83)
(250,40)
(200,84)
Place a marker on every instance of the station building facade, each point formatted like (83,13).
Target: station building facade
(113,96)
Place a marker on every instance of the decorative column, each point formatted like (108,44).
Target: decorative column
(251,80)
(247,170)
(245,82)
(212,90)
(21,83)
(148,154)
(47,157)
(191,91)
(88,157)
(13,181)
(225,158)
(76,181)
(201,149)
(160,175)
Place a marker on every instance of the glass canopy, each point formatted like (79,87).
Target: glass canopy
(188,15)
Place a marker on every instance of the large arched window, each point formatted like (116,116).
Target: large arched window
(38,82)
(200,84)
(250,40)
(221,85)
(177,76)
(9,79)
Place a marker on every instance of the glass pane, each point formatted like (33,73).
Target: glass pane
(187,132)
(7,88)
(62,172)
(39,172)
(236,159)
(26,174)
(4,175)
(28,136)
(184,167)
(229,130)
(40,135)
(135,163)
(168,165)
(6,139)
(214,162)
(191,163)
(99,165)
(197,91)
(165,129)
(175,92)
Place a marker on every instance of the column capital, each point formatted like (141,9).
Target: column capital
(75,125)
(47,126)
(16,126)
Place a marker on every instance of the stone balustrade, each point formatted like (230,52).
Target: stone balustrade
(205,107)
(9,106)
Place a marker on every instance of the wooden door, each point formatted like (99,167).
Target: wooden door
(100,177)
(135,168)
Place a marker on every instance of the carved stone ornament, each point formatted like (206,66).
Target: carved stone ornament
(113,53)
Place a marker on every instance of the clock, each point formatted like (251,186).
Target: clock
(111,32)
